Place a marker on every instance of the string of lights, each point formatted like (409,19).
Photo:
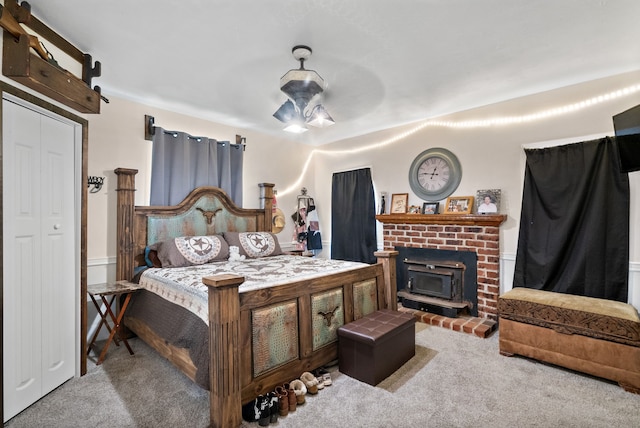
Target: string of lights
(497,121)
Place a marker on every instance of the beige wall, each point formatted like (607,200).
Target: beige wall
(491,157)
(116,139)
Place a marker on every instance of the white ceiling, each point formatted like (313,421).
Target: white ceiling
(385,62)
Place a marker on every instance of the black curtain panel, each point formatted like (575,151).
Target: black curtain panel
(574,226)
(353,216)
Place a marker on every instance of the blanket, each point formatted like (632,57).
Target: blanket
(183,285)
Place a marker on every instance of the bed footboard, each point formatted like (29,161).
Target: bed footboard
(308,314)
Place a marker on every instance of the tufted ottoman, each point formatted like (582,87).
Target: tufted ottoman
(373,347)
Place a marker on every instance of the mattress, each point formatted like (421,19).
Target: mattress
(183,285)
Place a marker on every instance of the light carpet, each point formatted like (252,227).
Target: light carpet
(455,380)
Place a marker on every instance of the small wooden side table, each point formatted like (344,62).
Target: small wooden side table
(104,291)
(302,253)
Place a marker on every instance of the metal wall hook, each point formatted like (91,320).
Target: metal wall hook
(96,182)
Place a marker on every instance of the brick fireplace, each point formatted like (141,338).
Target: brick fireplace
(476,233)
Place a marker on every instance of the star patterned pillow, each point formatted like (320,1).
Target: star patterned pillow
(191,250)
(254,244)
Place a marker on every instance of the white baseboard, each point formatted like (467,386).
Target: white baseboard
(634,285)
(101,270)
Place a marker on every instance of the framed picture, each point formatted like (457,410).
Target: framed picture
(414,209)
(430,207)
(399,203)
(488,201)
(459,205)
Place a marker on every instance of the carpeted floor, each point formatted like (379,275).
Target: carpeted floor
(455,380)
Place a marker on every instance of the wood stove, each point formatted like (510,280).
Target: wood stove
(436,284)
(440,279)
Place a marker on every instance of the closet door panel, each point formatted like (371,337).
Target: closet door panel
(22,309)
(58,255)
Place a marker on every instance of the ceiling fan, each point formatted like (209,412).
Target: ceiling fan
(302,86)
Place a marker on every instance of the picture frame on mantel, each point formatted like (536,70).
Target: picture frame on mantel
(399,202)
(430,207)
(488,201)
(459,205)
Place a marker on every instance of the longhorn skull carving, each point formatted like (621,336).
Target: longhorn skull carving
(328,316)
(209,215)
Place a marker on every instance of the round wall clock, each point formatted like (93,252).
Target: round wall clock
(435,174)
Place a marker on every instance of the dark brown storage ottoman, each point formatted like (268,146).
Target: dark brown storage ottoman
(373,347)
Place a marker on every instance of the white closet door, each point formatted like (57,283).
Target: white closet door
(58,252)
(39,275)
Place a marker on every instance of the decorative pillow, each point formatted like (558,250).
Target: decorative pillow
(191,250)
(254,244)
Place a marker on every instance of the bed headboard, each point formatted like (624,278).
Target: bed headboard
(205,211)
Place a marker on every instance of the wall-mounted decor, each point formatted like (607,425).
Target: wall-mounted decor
(459,205)
(430,207)
(96,182)
(488,201)
(399,202)
(435,174)
(26,60)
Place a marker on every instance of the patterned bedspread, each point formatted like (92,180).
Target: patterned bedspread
(183,286)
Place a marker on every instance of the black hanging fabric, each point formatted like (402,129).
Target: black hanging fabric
(353,216)
(574,225)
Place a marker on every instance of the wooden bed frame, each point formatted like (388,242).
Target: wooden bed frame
(231,374)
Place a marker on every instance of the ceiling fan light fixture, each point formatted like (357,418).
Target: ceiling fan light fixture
(319,117)
(286,113)
(301,86)
(296,127)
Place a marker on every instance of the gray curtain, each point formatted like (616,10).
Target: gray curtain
(181,162)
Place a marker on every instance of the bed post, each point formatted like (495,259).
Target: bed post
(266,203)
(126,204)
(225,392)
(388,261)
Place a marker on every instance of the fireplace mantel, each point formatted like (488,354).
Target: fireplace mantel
(446,219)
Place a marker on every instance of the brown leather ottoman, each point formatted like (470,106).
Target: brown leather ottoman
(373,347)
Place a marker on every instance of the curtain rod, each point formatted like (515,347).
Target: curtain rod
(150,130)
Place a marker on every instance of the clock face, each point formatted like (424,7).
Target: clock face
(435,174)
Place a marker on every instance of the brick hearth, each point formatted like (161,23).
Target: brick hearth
(481,327)
(476,233)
